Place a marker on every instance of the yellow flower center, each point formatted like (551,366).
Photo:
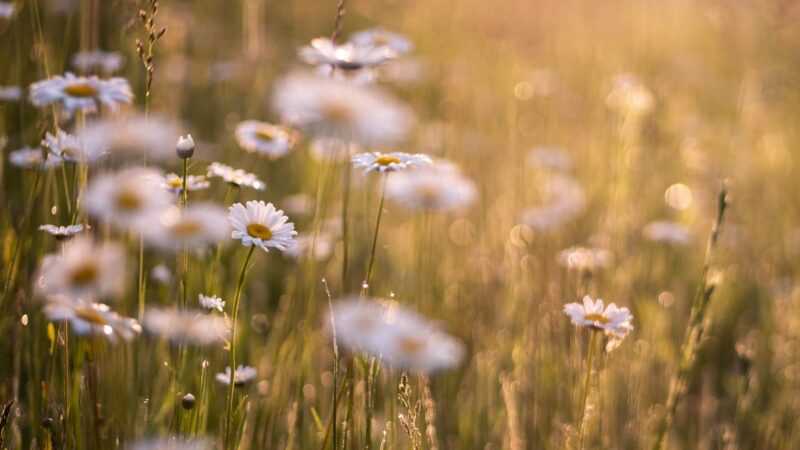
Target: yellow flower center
(411,345)
(186,228)
(338,113)
(597,317)
(175,182)
(84,274)
(385,160)
(90,315)
(128,201)
(257,230)
(80,90)
(266,135)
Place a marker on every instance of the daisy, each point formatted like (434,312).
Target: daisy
(551,158)
(347,56)
(185,147)
(584,259)
(235,177)
(431,190)
(241,375)
(10,93)
(611,320)
(322,246)
(261,225)
(7,10)
(212,302)
(62,233)
(332,149)
(89,318)
(69,148)
(197,226)
(629,95)
(329,108)
(83,269)
(389,162)
(376,38)
(298,204)
(186,326)
(172,182)
(265,139)
(133,137)
(667,232)
(172,443)
(399,337)
(126,198)
(564,199)
(84,94)
(97,60)
(33,158)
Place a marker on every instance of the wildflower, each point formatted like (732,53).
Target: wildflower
(10,93)
(91,318)
(329,108)
(85,94)
(298,204)
(126,198)
(332,149)
(33,158)
(564,199)
(667,232)
(551,158)
(389,162)
(7,10)
(84,269)
(347,56)
(241,375)
(611,320)
(303,245)
(431,190)
(265,139)
(161,274)
(198,226)
(185,326)
(185,147)
(584,259)
(399,337)
(172,443)
(235,177)
(172,182)
(133,137)
(261,225)
(630,96)
(62,233)
(97,60)
(69,148)
(377,38)
(212,302)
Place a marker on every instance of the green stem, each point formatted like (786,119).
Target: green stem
(365,285)
(589,357)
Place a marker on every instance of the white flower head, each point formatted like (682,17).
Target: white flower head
(97,60)
(186,326)
(269,140)
(260,224)
(550,158)
(629,95)
(324,107)
(127,198)
(235,177)
(241,375)
(612,320)
(197,226)
(84,269)
(70,149)
(671,233)
(378,38)
(10,93)
(563,200)
(33,158)
(62,233)
(185,146)
(584,259)
(389,162)
(133,137)
(346,56)
(172,443)
(211,302)
(307,246)
(431,190)
(84,94)
(89,318)
(7,10)
(172,182)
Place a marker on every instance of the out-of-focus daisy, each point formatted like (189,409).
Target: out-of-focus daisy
(91,318)
(332,149)
(584,259)
(161,274)
(265,139)
(303,245)
(7,10)
(377,38)
(347,56)
(62,233)
(84,94)
(329,108)
(298,204)
(260,224)
(431,190)
(172,443)
(174,183)
(10,93)
(551,158)
(212,302)
(97,60)
(187,326)
(236,177)
(128,197)
(69,148)
(241,375)
(389,162)
(612,320)
(83,269)
(33,158)
(399,337)
(133,137)
(357,77)
(629,95)
(198,226)
(564,199)
(667,232)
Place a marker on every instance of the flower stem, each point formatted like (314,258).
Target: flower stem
(589,357)
(365,285)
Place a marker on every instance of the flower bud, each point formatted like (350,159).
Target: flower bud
(185,147)
(188,401)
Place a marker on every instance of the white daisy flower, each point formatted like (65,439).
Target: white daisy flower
(97,60)
(347,56)
(612,320)
(33,158)
(236,177)
(377,38)
(62,233)
(298,204)
(133,137)
(197,226)
(399,337)
(186,326)
(265,139)
(212,302)
(260,224)
(84,94)
(172,443)
(629,95)
(161,274)
(172,182)
(671,233)
(303,244)
(10,93)
(431,190)
(89,318)
(70,149)
(389,162)
(550,158)
(329,108)
(241,375)
(126,198)
(584,259)
(83,269)
(564,199)
(7,10)
(333,149)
